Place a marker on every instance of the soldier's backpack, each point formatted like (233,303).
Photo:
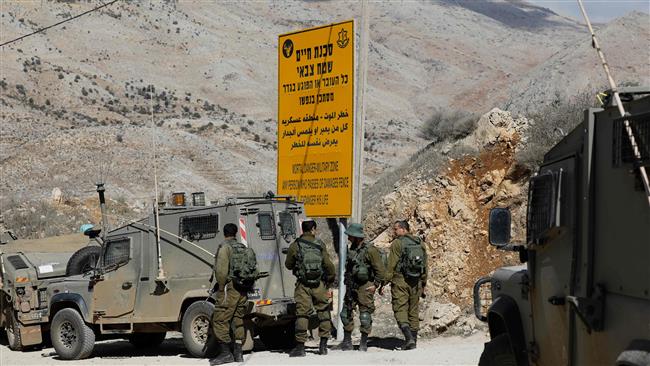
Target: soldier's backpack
(243,266)
(412,260)
(309,269)
(360,269)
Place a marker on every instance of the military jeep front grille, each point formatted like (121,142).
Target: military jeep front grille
(17,262)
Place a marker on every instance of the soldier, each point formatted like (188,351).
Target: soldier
(235,272)
(365,272)
(307,257)
(407,272)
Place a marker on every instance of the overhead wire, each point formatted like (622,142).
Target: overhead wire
(59,23)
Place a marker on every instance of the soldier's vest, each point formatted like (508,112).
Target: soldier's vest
(309,268)
(243,266)
(412,258)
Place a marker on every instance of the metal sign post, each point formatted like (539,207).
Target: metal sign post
(360,115)
(343,252)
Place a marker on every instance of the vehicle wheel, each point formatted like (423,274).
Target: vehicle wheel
(498,352)
(278,337)
(83,260)
(72,338)
(13,332)
(196,330)
(636,354)
(147,340)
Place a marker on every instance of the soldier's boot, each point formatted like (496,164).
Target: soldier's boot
(415,338)
(363,344)
(237,353)
(322,347)
(409,343)
(346,345)
(224,356)
(298,350)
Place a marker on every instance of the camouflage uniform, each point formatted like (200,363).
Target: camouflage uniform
(405,292)
(231,303)
(307,297)
(362,295)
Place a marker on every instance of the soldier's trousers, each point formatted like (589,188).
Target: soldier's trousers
(362,297)
(306,298)
(229,309)
(406,299)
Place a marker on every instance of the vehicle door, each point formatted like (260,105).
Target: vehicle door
(258,228)
(550,237)
(114,296)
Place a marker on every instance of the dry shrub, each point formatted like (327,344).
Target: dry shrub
(445,125)
(551,123)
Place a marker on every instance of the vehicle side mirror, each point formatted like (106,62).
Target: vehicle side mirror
(499,233)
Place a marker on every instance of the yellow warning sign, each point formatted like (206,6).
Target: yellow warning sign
(315,116)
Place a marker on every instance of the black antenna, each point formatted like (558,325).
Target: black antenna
(102,207)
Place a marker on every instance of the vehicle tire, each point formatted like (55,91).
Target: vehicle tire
(278,337)
(147,340)
(498,352)
(72,338)
(83,260)
(13,332)
(636,354)
(197,333)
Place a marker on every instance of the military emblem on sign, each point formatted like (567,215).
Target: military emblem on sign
(287,48)
(343,39)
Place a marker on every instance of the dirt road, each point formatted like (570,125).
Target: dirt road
(438,351)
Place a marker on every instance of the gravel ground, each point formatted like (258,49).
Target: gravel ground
(437,351)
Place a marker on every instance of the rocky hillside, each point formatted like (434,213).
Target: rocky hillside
(448,205)
(576,68)
(77,99)
(79,102)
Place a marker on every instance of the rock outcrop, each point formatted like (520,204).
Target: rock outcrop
(448,207)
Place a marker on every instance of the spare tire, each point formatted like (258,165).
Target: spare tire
(83,260)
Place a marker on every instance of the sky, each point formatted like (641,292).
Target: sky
(600,11)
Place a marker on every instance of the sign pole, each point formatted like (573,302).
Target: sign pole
(360,114)
(357,190)
(343,252)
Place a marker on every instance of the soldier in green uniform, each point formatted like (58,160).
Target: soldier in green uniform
(307,257)
(365,272)
(235,271)
(407,272)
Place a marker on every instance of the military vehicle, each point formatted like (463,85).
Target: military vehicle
(583,295)
(153,276)
(26,269)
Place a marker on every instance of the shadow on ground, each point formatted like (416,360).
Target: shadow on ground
(122,349)
(389,343)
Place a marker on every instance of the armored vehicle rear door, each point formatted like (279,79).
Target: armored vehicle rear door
(259,228)
(114,296)
(551,217)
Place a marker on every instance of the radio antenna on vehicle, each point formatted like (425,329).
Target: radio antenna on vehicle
(161,273)
(626,123)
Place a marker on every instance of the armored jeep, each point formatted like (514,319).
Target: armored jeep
(27,267)
(583,295)
(153,276)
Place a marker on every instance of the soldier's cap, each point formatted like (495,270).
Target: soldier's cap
(355,230)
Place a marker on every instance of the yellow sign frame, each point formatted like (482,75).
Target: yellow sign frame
(316,118)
